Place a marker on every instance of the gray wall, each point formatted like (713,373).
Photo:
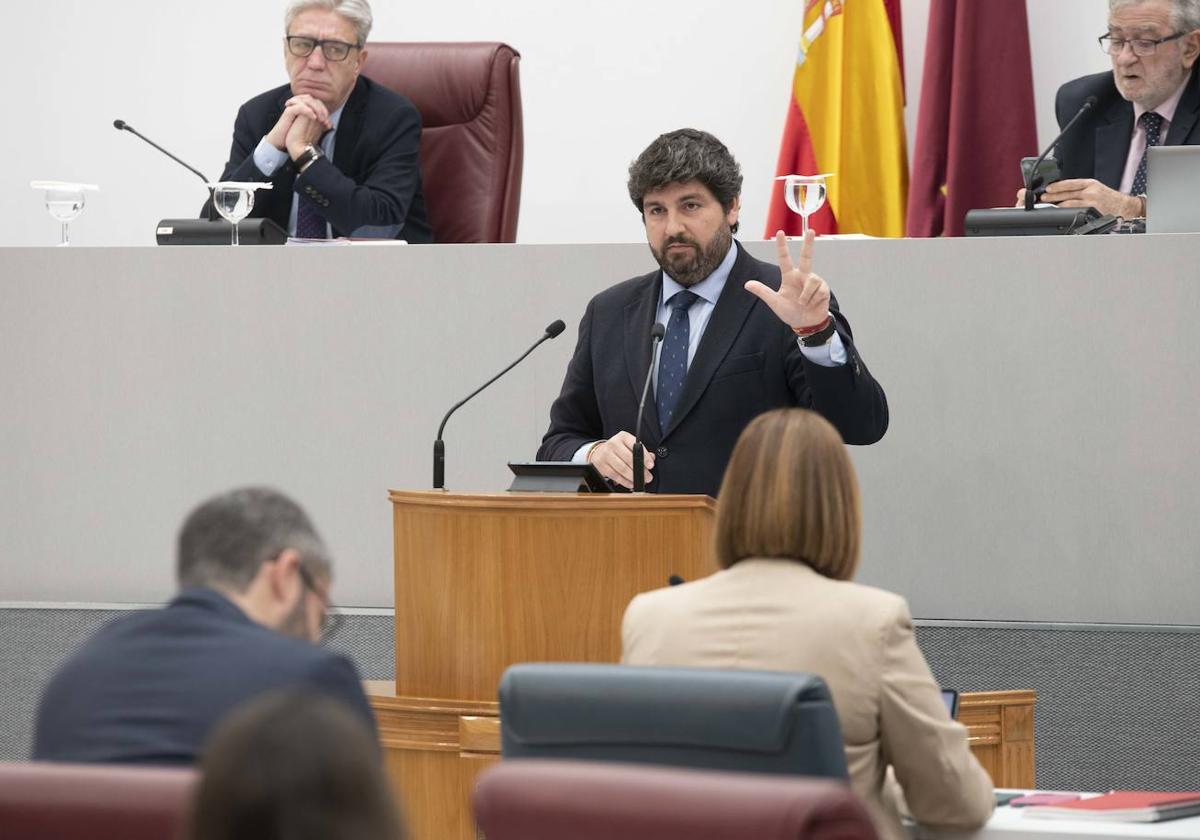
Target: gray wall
(1115,710)
(1040,465)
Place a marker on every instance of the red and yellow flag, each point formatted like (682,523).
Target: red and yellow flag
(846,117)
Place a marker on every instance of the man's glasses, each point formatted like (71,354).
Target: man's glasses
(302,47)
(1140,46)
(331,621)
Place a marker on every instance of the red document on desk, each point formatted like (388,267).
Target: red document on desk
(1124,806)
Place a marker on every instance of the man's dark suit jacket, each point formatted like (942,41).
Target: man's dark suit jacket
(747,362)
(373,180)
(148,688)
(1098,145)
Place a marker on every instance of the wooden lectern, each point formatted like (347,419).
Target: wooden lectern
(485,581)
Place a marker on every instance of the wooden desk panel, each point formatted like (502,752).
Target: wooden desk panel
(434,750)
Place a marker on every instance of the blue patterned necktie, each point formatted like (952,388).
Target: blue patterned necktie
(673,358)
(1152,122)
(309,223)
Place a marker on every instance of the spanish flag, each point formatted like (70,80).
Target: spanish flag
(846,117)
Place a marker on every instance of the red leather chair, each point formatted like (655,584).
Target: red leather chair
(472,143)
(538,799)
(46,801)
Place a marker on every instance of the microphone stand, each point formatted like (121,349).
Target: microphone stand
(439,446)
(639,451)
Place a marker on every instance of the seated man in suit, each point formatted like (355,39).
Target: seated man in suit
(147,688)
(1151,97)
(341,152)
(742,336)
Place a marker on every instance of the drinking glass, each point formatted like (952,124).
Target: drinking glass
(64,202)
(235,199)
(804,194)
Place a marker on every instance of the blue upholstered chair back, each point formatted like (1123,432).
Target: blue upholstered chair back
(757,721)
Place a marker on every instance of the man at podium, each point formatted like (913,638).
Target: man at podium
(741,336)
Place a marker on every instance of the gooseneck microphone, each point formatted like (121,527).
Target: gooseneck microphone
(121,125)
(439,446)
(639,451)
(1032,181)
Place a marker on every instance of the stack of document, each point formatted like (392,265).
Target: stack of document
(1123,806)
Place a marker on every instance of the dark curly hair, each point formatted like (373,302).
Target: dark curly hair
(686,154)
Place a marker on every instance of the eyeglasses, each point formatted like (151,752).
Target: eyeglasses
(1140,46)
(302,47)
(331,621)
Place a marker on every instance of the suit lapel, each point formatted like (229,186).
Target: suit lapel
(639,318)
(1112,144)
(728,317)
(1186,112)
(350,126)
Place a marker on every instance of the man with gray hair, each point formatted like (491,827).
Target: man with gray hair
(341,151)
(254,582)
(741,336)
(1151,97)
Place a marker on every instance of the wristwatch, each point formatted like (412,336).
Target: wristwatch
(822,336)
(817,336)
(310,154)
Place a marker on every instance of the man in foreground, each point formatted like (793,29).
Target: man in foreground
(254,591)
(742,336)
(1151,97)
(340,151)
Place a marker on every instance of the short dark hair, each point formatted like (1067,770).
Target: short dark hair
(686,154)
(790,491)
(225,540)
(291,765)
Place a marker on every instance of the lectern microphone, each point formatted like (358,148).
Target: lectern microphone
(639,451)
(554,330)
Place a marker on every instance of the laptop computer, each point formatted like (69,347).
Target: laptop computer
(1173,200)
(950,698)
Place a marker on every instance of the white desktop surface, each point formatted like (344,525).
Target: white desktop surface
(1011,823)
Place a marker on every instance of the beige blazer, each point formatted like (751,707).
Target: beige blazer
(780,615)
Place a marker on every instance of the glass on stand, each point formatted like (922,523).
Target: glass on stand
(804,194)
(234,200)
(64,202)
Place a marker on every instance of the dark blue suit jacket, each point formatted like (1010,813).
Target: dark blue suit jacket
(374,178)
(148,688)
(747,362)
(1099,143)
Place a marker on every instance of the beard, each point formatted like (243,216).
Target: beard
(689,267)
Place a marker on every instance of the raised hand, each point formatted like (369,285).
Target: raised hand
(803,297)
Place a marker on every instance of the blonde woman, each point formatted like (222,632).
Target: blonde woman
(787,543)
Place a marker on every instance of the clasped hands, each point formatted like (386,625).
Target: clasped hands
(1088,192)
(305,118)
(801,302)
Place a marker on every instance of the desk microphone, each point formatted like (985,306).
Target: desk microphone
(121,125)
(639,452)
(1032,181)
(439,446)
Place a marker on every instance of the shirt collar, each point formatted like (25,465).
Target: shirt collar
(710,287)
(1167,109)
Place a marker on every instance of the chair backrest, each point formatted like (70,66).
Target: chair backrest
(472,140)
(532,799)
(686,717)
(47,801)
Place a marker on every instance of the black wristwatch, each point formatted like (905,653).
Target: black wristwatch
(310,154)
(822,336)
